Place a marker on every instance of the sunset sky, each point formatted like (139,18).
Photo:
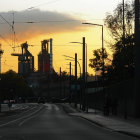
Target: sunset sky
(60,20)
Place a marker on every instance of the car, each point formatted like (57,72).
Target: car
(12,101)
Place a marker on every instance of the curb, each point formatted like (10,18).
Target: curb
(69,113)
(96,123)
(99,124)
(130,134)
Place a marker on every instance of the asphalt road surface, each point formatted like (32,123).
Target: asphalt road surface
(50,122)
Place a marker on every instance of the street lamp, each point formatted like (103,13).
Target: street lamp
(102,46)
(84,99)
(102,50)
(125,100)
(86,55)
(77,62)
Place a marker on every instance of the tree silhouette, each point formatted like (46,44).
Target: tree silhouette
(13,85)
(114,22)
(123,47)
(96,62)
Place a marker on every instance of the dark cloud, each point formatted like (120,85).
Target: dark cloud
(31,23)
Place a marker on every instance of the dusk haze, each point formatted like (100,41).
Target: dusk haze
(69,69)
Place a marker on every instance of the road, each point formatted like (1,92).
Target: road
(50,122)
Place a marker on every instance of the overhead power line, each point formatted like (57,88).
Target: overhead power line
(13,30)
(6,21)
(5,40)
(42,4)
(31,22)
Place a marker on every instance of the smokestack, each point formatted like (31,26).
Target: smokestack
(51,56)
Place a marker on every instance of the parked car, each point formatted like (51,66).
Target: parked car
(12,101)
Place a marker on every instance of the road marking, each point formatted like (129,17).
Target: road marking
(21,123)
(20,118)
(56,108)
(22,112)
(51,106)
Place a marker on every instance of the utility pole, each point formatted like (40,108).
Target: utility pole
(75,80)
(123,39)
(123,25)
(83,59)
(75,66)
(70,70)
(60,71)
(137,60)
(70,85)
(60,82)
(83,78)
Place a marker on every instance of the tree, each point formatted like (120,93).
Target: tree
(123,46)
(96,62)
(114,22)
(124,55)
(13,85)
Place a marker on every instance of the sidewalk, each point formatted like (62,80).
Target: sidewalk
(130,126)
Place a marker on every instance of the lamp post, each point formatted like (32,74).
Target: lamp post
(73,59)
(75,95)
(125,96)
(86,55)
(74,65)
(60,83)
(76,61)
(137,59)
(84,101)
(102,46)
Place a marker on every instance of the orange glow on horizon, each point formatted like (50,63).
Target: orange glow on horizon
(61,46)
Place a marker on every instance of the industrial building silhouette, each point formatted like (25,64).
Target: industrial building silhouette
(45,56)
(26,59)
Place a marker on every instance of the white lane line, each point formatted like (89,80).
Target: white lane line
(50,107)
(56,108)
(22,112)
(20,118)
(21,123)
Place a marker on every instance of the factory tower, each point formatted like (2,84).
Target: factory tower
(45,56)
